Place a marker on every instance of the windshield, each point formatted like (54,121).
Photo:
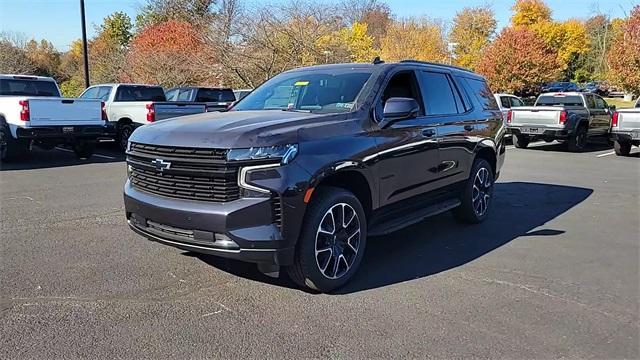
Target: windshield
(559,100)
(28,87)
(316,92)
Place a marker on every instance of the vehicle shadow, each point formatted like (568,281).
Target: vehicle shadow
(61,157)
(593,146)
(440,243)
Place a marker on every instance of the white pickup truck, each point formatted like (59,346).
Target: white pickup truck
(625,129)
(570,117)
(32,112)
(129,106)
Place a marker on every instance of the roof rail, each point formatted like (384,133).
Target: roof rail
(436,64)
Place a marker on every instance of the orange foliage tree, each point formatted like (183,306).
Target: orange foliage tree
(167,53)
(518,61)
(624,55)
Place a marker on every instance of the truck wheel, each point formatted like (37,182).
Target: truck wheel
(124,132)
(11,149)
(622,149)
(84,149)
(332,241)
(578,142)
(520,141)
(478,193)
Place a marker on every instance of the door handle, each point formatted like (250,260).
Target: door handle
(428,132)
(468,128)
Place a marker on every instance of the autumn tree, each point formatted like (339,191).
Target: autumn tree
(165,53)
(194,12)
(414,39)
(568,38)
(471,32)
(518,61)
(624,55)
(373,13)
(44,56)
(13,57)
(530,12)
(108,48)
(349,44)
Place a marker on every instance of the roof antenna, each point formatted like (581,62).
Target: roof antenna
(377,60)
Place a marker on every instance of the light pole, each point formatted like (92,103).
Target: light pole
(451,47)
(84,45)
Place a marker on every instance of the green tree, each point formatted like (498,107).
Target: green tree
(117,28)
(472,31)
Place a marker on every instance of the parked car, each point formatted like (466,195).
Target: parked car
(596,87)
(506,102)
(559,86)
(625,129)
(33,112)
(215,99)
(129,106)
(302,170)
(240,94)
(572,117)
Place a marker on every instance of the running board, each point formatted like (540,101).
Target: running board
(414,217)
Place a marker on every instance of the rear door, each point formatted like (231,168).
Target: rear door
(446,109)
(601,115)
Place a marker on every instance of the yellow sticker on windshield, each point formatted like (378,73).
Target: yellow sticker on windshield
(301,83)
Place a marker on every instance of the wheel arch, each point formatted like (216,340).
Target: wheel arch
(351,180)
(487,150)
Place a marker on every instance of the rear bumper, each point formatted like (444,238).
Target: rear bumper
(198,226)
(62,133)
(625,136)
(555,133)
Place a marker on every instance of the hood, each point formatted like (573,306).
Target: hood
(233,129)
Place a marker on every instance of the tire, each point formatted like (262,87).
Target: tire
(315,269)
(622,149)
(124,132)
(84,149)
(11,149)
(478,193)
(520,141)
(578,142)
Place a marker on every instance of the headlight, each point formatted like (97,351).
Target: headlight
(285,153)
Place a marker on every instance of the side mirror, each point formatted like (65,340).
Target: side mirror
(398,108)
(612,108)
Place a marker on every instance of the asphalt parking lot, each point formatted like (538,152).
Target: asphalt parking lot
(553,273)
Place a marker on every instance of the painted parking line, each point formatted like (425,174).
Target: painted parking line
(606,154)
(96,155)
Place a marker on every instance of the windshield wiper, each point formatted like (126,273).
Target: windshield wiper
(298,110)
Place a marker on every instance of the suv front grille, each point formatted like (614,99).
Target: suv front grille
(183,173)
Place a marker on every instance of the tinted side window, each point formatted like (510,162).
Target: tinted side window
(600,103)
(90,93)
(483,94)
(638,104)
(591,104)
(171,94)
(506,103)
(185,95)
(213,95)
(515,102)
(437,94)
(104,92)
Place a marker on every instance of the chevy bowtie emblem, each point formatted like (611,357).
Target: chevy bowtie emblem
(161,164)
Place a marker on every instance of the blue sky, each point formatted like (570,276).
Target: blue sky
(59,20)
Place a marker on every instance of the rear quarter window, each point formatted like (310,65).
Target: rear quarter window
(481,91)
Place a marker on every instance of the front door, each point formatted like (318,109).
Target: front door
(407,156)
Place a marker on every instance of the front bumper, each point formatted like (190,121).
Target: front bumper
(551,133)
(62,133)
(196,226)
